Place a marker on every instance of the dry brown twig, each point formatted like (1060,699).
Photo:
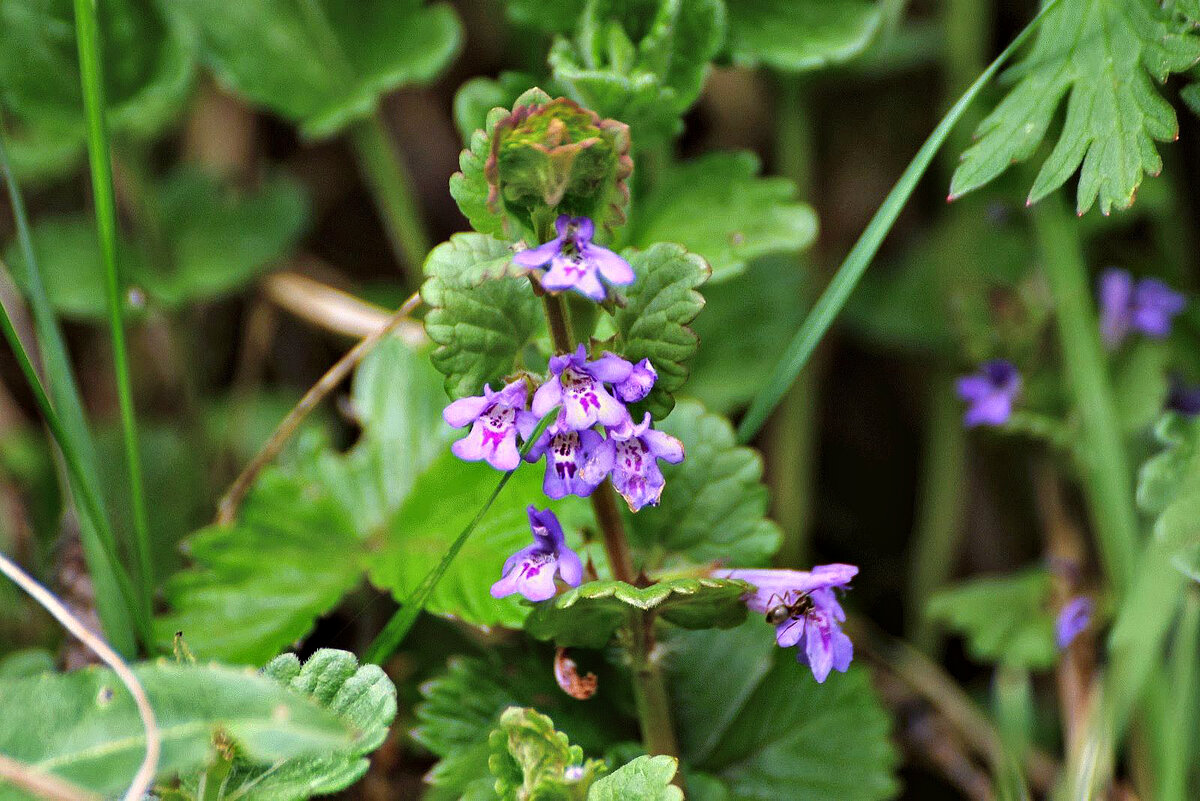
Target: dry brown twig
(232,499)
(37,781)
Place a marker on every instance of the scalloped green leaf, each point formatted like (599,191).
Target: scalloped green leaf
(323,64)
(801,36)
(475,99)
(588,615)
(149,71)
(1004,618)
(779,734)
(653,322)
(83,726)
(530,759)
(647,778)
(480,317)
(714,505)
(462,706)
(1102,55)
(361,696)
(301,540)
(745,216)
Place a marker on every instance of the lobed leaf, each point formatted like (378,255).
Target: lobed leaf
(323,64)
(530,759)
(1005,619)
(481,316)
(653,322)
(1101,55)
(745,216)
(714,504)
(803,35)
(83,726)
(588,615)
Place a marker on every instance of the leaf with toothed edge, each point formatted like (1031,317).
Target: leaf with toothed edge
(653,321)
(588,615)
(1103,55)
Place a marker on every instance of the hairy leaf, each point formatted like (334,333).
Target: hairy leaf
(744,216)
(1102,55)
(653,323)
(714,504)
(363,697)
(789,737)
(588,615)
(530,759)
(647,778)
(323,64)
(84,727)
(480,316)
(1004,619)
(800,35)
(469,186)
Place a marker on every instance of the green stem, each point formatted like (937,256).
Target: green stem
(391,186)
(1103,460)
(1181,717)
(87,36)
(940,508)
(95,534)
(827,307)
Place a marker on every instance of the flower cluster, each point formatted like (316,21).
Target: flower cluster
(805,611)
(593,437)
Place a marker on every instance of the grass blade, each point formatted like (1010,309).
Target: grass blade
(848,275)
(87,36)
(95,533)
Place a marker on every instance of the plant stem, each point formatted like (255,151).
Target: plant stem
(649,688)
(1181,718)
(821,317)
(95,533)
(391,186)
(100,158)
(940,510)
(1103,461)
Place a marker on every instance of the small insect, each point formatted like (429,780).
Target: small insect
(784,610)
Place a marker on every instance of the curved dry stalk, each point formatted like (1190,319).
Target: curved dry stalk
(43,785)
(145,774)
(332,309)
(231,501)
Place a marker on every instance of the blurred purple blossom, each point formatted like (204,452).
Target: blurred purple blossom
(990,393)
(1148,306)
(1074,617)
(575,261)
(1183,398)
(530,571)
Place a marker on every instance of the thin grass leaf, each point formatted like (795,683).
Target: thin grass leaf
(100,159)
(838,292)
(95,532)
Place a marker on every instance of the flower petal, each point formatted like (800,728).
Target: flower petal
(465,410)
(539,256)
(547,397)
(612,267)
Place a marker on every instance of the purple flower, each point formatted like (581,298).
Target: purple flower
(1074,617)
(631,454)
(989,393)
(530,571)
(805,612)
(575,262)
(578,386)
(1148,307)
(1183,398)
(639,383)
(566,452)
(497,418)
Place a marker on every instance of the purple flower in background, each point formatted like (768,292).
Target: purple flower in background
(578,386)
(566,452)
(805,612)
(496,418)
(1183,398)
(989,393)
(530,571)
(639,383)
(1148,307)
(631,455)
(575,262)
(1073,618)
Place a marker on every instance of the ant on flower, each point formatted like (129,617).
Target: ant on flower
(785,610)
